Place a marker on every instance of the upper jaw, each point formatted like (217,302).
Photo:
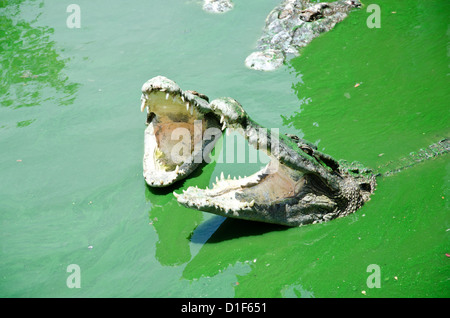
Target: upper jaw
(221,113)
(191,99)
(164,100)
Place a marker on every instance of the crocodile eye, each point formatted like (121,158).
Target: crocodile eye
(306,149)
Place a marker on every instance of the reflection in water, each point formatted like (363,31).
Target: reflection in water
(231,229)
(174,227)
(25,123)
(30,64)
(173,223)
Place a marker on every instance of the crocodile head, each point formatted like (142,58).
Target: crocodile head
(299,185)
(175,119)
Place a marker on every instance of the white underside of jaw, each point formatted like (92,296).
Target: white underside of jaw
(195,197)
(223,193)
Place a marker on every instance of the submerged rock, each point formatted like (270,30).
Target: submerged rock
(217,6)
(267,60)
(292,25)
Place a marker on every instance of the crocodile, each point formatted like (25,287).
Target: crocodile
(293,24)
(300,185)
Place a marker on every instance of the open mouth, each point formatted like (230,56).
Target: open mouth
(175,120)
(299,185)
(274,193)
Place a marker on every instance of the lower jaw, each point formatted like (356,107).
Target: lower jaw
(274,183)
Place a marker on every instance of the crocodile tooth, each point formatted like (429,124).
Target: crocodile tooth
(187,106)
(234,178)
(191,109)
(229,178)
(224,125)
(252,202)
(161,182)
(228,131)
(221,118)
(176,194)
(177,169)
(217,179)
(221,176)
(167,96)
(182,98)
(143,105)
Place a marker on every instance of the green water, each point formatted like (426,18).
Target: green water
(71,141)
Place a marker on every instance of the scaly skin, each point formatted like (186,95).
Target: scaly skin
(292,25)
(299,186)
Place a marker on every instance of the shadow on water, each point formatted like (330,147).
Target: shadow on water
(230,229)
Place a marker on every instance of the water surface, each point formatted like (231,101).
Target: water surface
(71,139)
